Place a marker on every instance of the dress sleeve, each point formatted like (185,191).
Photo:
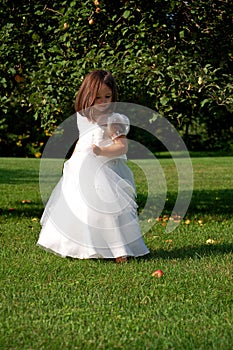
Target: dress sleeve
(118,125)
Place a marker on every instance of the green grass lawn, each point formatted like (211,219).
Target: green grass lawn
(52,303)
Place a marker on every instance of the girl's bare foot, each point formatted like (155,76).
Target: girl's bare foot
(121,259)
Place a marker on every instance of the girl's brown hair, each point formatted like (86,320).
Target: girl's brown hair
(90,87)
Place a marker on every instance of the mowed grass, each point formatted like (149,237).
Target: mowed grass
(52,303)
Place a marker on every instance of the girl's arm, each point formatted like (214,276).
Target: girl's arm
(119,148)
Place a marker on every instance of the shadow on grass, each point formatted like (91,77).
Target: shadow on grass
(32,210)
(197,252)
(19,176)
(218,203)
(212,202)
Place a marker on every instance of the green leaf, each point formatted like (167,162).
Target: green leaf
(126,14)
(181,34)
(164,100)
(206,100)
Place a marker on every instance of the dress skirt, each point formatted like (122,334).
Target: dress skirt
(92,212)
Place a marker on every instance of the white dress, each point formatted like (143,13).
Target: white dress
(92,212)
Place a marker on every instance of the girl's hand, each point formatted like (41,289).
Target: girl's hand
(118,148)
(96,150)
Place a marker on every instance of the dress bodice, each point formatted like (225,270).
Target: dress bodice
(91,133)
(101,135)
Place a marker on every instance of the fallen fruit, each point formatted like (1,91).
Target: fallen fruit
(157,273)
(26,201)
(91,21)
(11,209)
(210,241)
(35,219)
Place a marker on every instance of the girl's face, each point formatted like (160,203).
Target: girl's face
(103,98)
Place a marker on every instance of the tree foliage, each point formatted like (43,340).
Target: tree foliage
(172,56)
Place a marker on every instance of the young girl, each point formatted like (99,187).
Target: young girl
(92,211)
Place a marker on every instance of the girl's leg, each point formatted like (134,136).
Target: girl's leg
(121,259)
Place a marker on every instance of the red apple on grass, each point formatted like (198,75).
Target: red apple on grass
(157,273)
